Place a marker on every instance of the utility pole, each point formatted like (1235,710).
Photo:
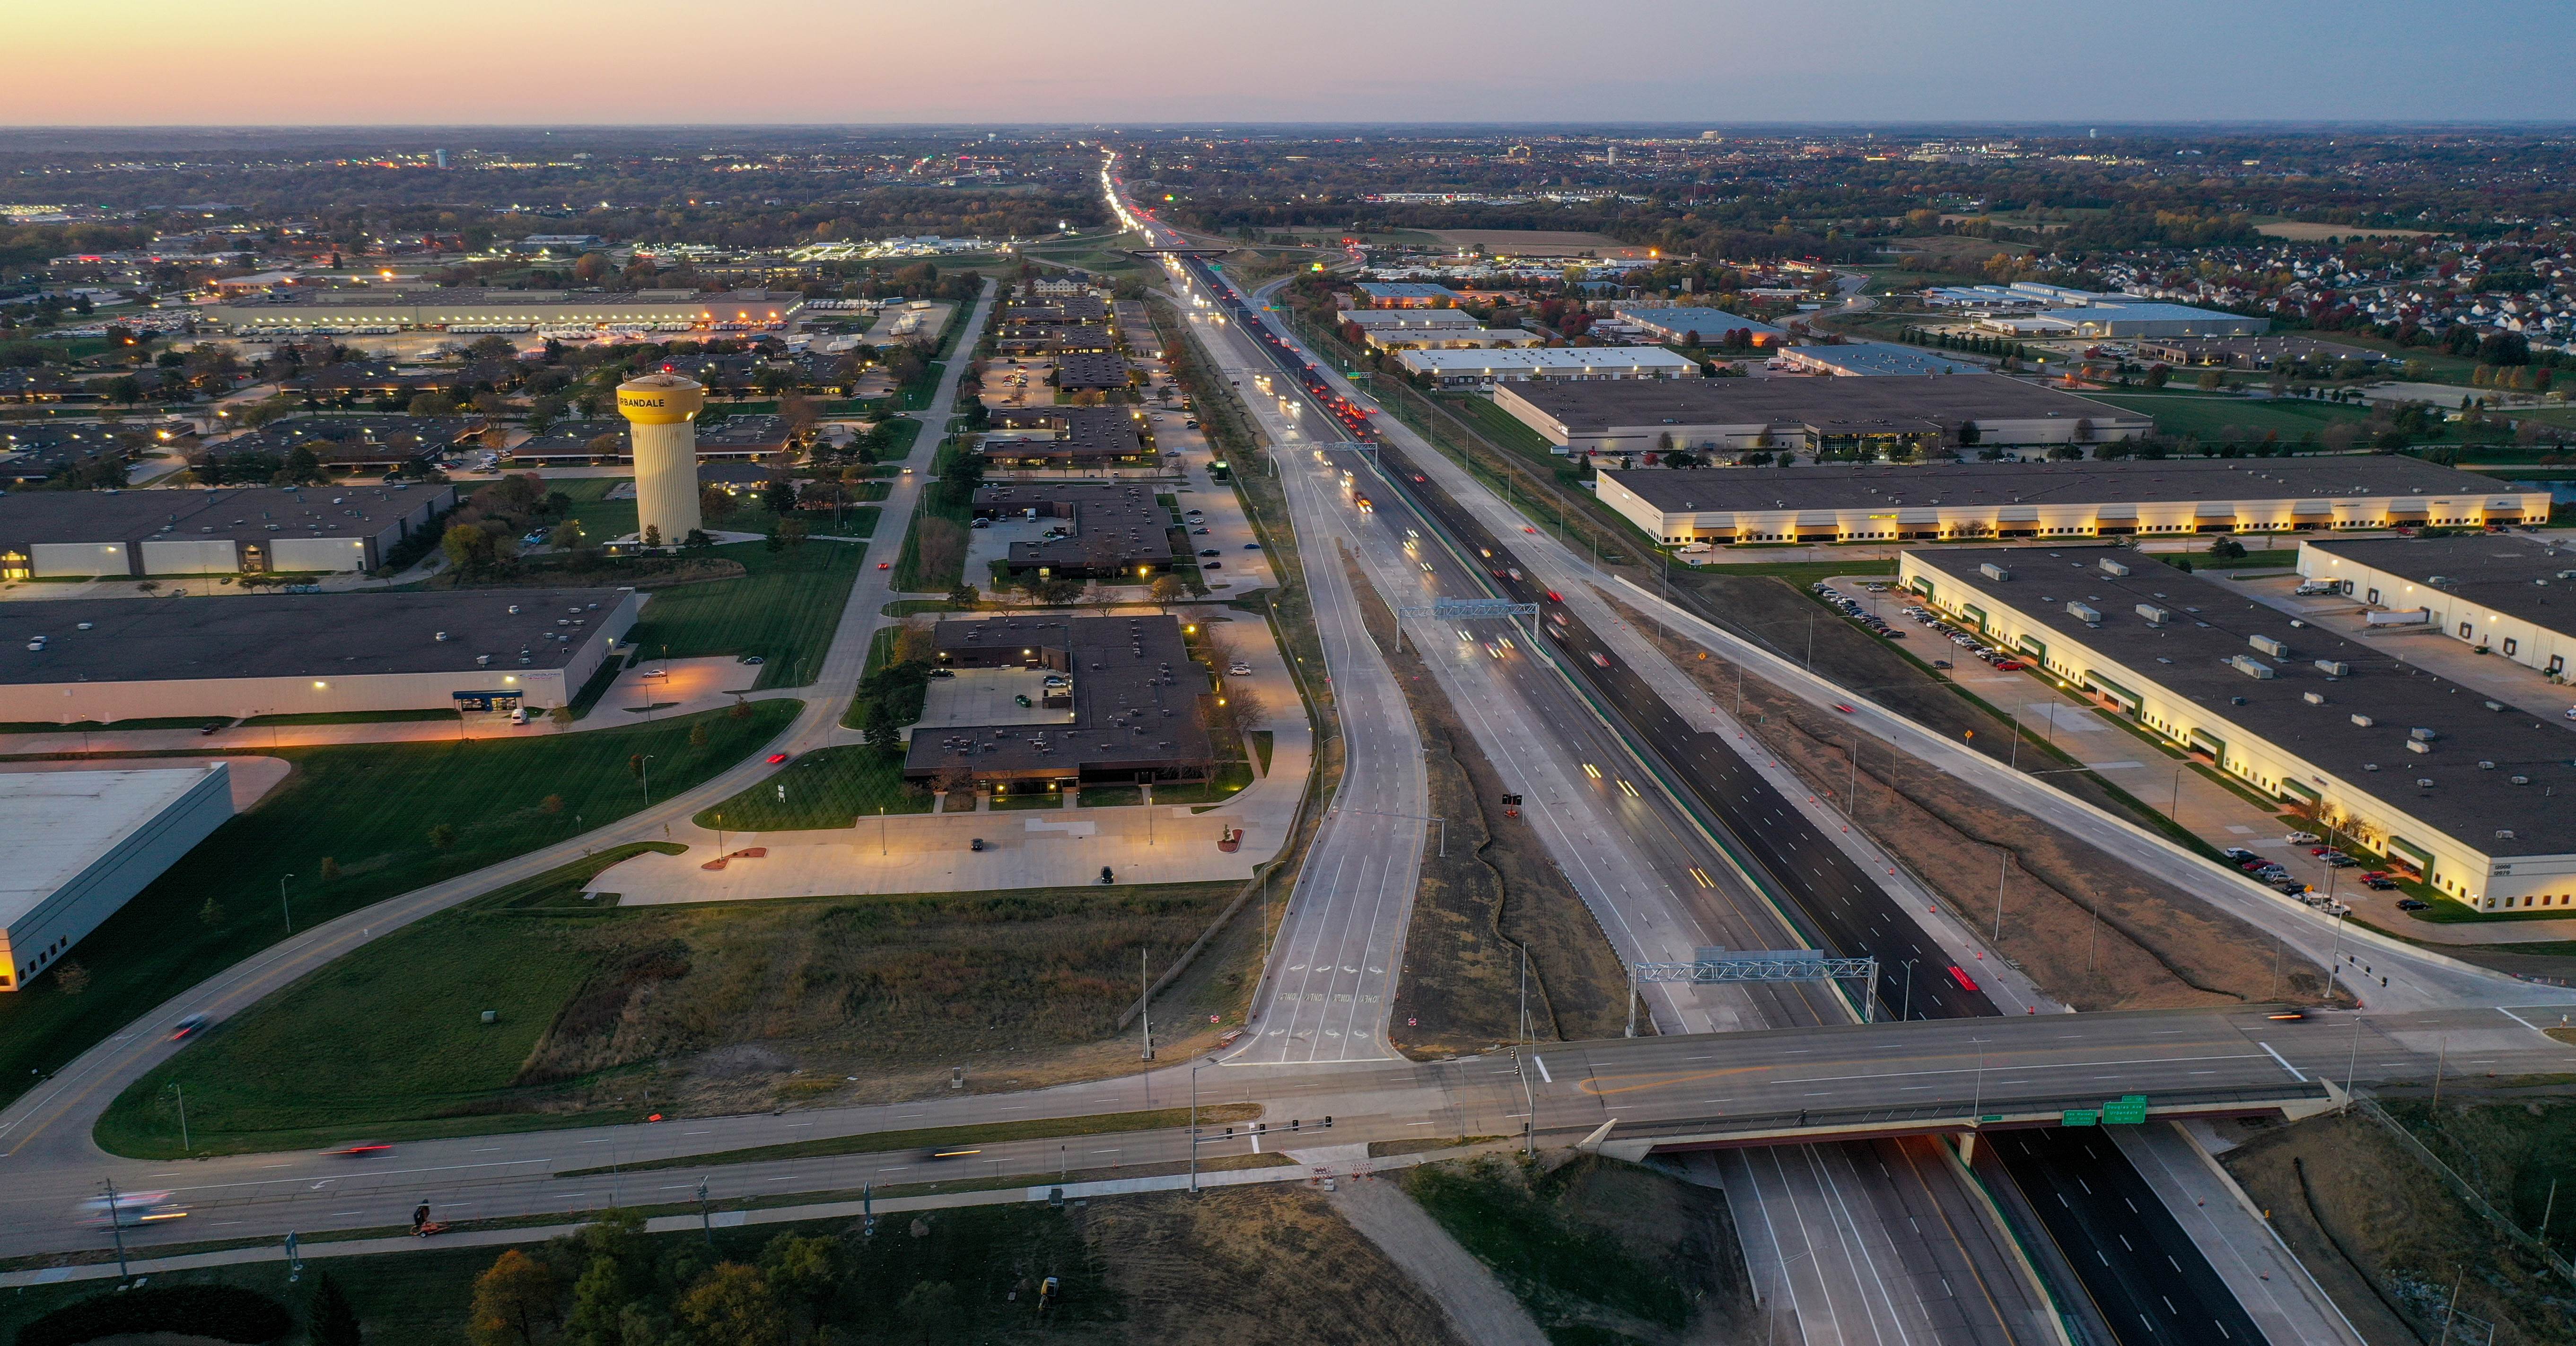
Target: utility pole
(183,1115)
(116,1229)
(1145,1011)
(706,1221)
(2003,872)
(281,902)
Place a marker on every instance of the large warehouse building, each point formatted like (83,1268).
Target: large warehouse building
(81,844)
(1722,415)
(221,531)
(2514,595)
(2081,499)
(1568,364)
(388,308)
(100,660)
(2450,786)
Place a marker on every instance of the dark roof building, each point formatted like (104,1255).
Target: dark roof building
(1052,436)
(354,443)
(2257,352)
(742,437)
(1078,371)
(2507,593)
(1724,415)
(1070,308)
(1111,530)
(32,453)
(1135,700)
(108,659)
(2080,499)
(2445,782)
(597,440)
(196,532)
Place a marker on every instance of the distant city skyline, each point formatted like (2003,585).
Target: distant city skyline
(477,62)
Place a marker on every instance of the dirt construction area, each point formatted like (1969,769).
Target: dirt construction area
(2092,931)
(2389,1240)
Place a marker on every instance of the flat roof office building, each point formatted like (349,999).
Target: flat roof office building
(2057,500)
(1110,530)
(390,308)
(1922,412)
(102,660)
(1408,294)
(1710,325)
(1873,359)
(1079,371)
(1407,319)
(1065,437)
(224,531)
(2513,595)
(1571,364)
(81,844)
(2456,788)
(1134,703)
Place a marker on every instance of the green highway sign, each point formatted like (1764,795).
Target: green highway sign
(2126,1110)
(2080,1117)
(1992,1117)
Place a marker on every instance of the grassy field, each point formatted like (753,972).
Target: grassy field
(1505,429)
(2207,417)
(785,610)
(828,787)
(934,548)
(353,717)
(1268,1263)
(1229,779)
(1598,1250)
(365,813)
(878,1142)
(712,1008)
(1800,573)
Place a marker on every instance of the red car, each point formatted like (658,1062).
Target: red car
(776,758)
(1846,709)
(1554,597)
(885,565)
(1966,982)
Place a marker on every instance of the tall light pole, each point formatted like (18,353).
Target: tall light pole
(1194,1128)
(281,902)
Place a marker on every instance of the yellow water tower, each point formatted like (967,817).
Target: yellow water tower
(662,414)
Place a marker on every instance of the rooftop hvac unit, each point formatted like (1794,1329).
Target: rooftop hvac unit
(1994,572)
(2111,567)
(2155,616)
(2269,646)
(2334,668)
(2250,666)
(2486,766)
(442,637)
(2519,780)
(2421,734)
(2084,612)
(2417,745)
(2504,834)
(2313,698)
(2495,705)
(482,659)
(2364,721)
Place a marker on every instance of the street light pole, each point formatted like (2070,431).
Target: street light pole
(1194,1128)
(1908,1011)
(281,902)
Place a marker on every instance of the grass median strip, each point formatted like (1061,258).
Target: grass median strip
(940,1137)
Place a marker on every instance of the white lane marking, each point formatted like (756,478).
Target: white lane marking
(2285,1065)
(1541,1063)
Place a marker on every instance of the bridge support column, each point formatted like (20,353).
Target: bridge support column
(1968,1147)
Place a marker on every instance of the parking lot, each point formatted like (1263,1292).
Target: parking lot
(2071,724)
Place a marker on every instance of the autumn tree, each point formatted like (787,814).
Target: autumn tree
(732,1305)
(512,1301)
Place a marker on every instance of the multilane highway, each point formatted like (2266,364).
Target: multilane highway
(1845,908)
(1844,1225)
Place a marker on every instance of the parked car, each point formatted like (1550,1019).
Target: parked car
(2239,854)
(2381,885)
(2302,838)
(2412,903)
(1239,669)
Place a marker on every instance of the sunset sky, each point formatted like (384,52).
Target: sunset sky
(158,62)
